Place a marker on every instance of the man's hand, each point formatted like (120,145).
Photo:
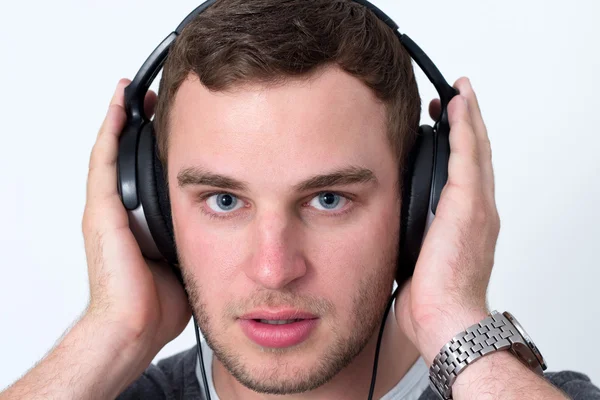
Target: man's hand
(447,291)
(136,306)
(141,297)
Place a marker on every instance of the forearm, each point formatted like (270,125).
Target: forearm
(93,361)
(501,375)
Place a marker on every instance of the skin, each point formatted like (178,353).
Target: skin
(278,245)
(281,247)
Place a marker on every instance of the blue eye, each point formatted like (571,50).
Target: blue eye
(328,201)
(224,202)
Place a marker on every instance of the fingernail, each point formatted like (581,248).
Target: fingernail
(123,82)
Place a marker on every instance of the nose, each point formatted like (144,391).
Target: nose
(276,259)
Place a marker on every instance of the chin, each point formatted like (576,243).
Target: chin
(295,369)
(280,374)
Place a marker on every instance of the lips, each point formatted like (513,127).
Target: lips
(278,328)
(278,314)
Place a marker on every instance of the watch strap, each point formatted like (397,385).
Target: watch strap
(493,333)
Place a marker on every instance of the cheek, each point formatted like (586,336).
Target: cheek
(343,259)
(211,256)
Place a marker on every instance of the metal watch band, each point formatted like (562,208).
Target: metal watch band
(493,333)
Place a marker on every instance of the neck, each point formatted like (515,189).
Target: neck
(396,356)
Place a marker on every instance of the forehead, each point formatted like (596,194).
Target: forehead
(286,131)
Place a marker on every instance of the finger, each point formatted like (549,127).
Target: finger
(102,170)
(435,109)
(150,103)
(463,166)
(485,153)
(117,100)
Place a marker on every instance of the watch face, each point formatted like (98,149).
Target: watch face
(528,340)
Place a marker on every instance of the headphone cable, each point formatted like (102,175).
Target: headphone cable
(202,368)
(375,361)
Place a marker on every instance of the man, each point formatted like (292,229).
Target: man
(283,126)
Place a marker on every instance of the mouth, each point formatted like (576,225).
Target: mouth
(278,315)
(278,321)
(278,328)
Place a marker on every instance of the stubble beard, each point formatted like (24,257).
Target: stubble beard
(282,378)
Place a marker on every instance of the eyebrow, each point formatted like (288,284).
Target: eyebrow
(199,176)
(344,176)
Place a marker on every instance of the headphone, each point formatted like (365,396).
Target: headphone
(144,193)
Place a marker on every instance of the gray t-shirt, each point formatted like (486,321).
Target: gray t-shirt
(174,378)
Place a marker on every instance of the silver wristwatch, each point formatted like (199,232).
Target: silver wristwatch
(494,333)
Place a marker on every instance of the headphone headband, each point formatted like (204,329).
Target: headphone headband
(136,91)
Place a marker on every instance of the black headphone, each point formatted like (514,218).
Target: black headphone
(144,193)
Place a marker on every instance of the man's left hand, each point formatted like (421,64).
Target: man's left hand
(447,292)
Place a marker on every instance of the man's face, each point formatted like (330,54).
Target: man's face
(286,218)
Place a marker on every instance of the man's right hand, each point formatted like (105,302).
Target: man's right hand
(136,305)
(143,298)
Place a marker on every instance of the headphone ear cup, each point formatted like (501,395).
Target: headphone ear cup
(416,192)
(154,194)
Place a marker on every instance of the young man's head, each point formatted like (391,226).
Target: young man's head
(284,126)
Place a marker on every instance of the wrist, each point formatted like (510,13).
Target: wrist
(438,329)
(133,343)
(483,344)
(125,331)
(128,351)
(92,361)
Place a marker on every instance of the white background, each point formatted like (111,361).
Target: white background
(534,65)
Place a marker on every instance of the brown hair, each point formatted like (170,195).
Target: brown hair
(238,41)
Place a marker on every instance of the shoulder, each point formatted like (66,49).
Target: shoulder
(171,378)
(574,383)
